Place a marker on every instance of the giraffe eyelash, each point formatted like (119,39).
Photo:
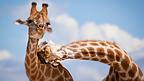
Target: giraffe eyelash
(47,24)
(30,21)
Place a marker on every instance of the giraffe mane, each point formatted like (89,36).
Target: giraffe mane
(91,40)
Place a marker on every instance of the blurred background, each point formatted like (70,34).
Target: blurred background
(116,21)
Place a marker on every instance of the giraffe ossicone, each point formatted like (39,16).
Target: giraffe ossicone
(122,66)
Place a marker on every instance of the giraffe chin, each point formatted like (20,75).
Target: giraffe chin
(53,62)
(36,36)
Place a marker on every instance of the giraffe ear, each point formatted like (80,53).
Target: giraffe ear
(20,22)
(49,29)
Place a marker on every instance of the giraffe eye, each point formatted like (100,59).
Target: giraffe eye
(47,24)
(30,21)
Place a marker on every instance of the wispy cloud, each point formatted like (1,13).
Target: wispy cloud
(4,54)
(12,70)
(67,29)
(85,71)
(113,33)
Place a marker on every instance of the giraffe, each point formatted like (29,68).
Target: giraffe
(38,23)
(122,66)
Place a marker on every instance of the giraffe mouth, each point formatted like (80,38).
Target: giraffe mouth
(41,30)
(46,60)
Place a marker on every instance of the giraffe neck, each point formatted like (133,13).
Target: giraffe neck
(37,71)
(31,60)
(107,53)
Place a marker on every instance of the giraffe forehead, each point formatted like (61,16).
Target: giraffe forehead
(39,17)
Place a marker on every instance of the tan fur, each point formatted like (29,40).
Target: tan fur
(123,68)
(35,69)
(48,51)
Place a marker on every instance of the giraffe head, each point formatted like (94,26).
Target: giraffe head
(37,22)
(52,53)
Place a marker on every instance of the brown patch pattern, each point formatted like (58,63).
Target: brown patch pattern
(34,70)
(60,68)
(74,50)
(60,78)
(66,75)
(33,77)
(110,55)
(85,58)
(33,60)
(137,79)
(31,55)
(116,66)
(94,44)
(27,69)
(107,78)
(104,61)
(111,46)
(84,52)
(94,59)
(125,63)
(100,52)
(33,65)
(115,45)
(28,48)
(125,51)
(118,55)
(123,74)
(111,70)
(140,72)
(90,41)
(39,75)
(117,76)
(83,44)
(113,78)
(55,73)
(42,78)
(70,79)
(133,71)
(34,48)
(91,51)
(74,46)
(77,56)
(27,60)
(108,42)
(103,44)
(42,68)
(47,71)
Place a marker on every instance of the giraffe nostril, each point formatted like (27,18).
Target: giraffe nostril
(40,25)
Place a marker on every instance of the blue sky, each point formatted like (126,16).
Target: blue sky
(120,21)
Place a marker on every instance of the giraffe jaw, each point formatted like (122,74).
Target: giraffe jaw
(56,54)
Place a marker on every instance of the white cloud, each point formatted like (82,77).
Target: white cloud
(66,26)
(66,29)
(91,31)
(4,55)
(85,71)
(12,70)
(113,33)
(124,39)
